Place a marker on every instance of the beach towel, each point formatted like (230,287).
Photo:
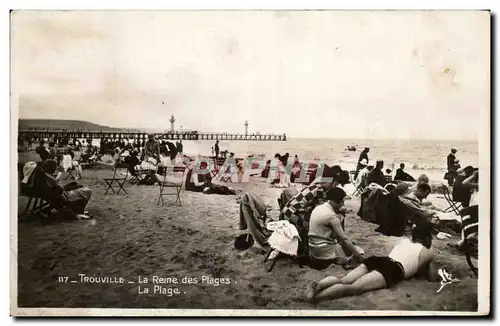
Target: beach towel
(285,237)
(252,217)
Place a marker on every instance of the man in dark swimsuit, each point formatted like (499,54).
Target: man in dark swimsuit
(407,259)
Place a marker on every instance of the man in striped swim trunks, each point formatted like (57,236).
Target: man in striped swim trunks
(406,260)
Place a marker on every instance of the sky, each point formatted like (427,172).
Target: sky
(313,74)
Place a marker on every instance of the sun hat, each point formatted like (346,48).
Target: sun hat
(243,242)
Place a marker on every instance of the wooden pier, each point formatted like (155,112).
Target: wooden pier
(192,135)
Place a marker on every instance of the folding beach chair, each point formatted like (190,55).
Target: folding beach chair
(227,176)
(120,174)
(358,190)
(454,206)
(45,197)
(218,163)
(70,169)
(70,174)
(470,228)
(35,204)
(136,174)
(175,180)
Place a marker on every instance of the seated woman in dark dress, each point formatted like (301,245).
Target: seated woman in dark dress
(202,182)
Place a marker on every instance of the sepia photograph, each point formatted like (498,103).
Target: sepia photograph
(250,162)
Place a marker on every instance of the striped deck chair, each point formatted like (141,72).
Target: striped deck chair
(358,190)
(35,204)
(227,175)
(470,228)
(454,206)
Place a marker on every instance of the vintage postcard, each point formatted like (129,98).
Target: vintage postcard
(250,163)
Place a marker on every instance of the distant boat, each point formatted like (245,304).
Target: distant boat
(351,148)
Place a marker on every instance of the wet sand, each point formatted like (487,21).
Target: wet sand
(131,237)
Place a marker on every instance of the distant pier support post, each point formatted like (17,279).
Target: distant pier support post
(172,121)
(246,128)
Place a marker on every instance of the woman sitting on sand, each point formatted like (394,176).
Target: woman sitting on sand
(202,182)
(406,260)
(327,241)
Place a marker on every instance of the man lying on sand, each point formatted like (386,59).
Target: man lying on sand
(406,260)
(327,241)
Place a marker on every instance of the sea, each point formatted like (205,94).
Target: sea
(419,156)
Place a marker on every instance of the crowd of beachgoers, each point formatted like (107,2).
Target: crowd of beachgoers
(310,226)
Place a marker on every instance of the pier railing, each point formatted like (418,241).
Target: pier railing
(191,135)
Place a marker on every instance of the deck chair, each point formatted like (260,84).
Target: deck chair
(49,198)
(136,174)
(70,174)
(27,190)
(120,174)
(227,176)
(66,163)
(35,204)
(218,164)
(174,180)
(454,206)
(470,228)
(358,190)
(135,177)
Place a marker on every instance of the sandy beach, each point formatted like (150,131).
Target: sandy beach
(131,238)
